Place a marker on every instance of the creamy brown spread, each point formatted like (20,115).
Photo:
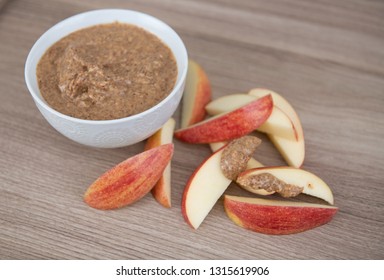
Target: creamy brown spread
(269,183)
(236,155)
(106,71)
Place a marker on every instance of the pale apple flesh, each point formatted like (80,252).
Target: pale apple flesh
(276,217)
(292,151)
(228,103)
(197,94)
(229,125)
(204,188)
(162,190)
(279,125)
(281,102)
(312,184)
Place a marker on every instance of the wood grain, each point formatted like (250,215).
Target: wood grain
(326,57)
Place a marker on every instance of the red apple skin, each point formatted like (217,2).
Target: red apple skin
(277,220)
(229,125)
(130,180)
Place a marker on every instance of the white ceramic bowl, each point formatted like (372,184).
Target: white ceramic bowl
(109,133)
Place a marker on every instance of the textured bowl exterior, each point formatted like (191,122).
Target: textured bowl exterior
(109,133)
(104,134)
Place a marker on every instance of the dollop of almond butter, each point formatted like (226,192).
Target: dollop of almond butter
(269,183)
(236,155)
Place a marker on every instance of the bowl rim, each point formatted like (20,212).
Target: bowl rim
(39,99)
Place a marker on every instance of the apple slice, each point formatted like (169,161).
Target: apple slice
(130,180)
(197,94)
(311,184)
(292,151)
(252,163)
(277,124)
(229,125)
(162,190)
(276,217)
(203,189)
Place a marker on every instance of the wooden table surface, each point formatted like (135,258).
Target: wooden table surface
(326,57)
